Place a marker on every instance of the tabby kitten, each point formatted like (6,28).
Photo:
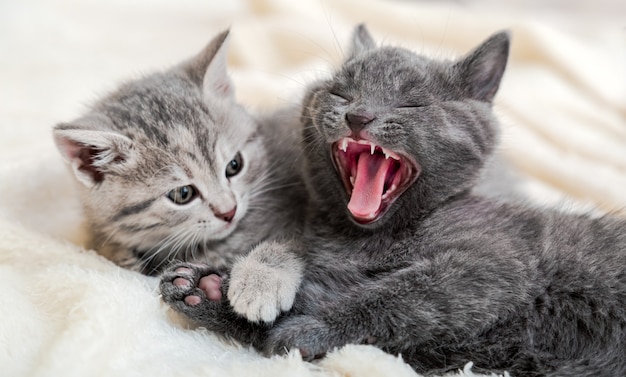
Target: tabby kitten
(397,251)
(171,167)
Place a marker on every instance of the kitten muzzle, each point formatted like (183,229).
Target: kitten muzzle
(374,177)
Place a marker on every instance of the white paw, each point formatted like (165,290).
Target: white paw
(264,283)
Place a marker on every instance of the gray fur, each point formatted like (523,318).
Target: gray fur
(444,276)
(171,129)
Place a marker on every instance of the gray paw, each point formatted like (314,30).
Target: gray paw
(264,283)
(192,289)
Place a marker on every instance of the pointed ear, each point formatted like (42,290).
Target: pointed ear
(481,70)
(90,152)
(208,68)
(361,41)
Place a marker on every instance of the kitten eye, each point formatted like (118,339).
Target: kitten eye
(339,96)
(234,166)
(183,194)
(409,106)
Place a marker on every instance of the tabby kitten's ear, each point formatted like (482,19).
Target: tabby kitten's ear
(92,153)
(208,68)
(481,70)
(361,41)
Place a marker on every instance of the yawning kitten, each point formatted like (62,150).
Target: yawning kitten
(398,253)
(171,167)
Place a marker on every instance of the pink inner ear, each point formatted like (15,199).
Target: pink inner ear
(69,148)
(84,155)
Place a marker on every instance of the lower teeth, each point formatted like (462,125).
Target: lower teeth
(389,191)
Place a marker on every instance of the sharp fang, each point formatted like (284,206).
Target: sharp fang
(343,145)
(391,154)
(352,180)
(372,148)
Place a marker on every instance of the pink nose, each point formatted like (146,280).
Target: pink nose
(227,216)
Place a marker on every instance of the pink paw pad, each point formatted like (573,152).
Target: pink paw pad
(182,282)
(192,300)
(211,285)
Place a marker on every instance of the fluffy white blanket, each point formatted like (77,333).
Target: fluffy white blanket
(66,311)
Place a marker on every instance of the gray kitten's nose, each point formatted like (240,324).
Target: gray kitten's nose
(358,121)
(226,216)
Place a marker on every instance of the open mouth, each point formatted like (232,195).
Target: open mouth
(373,177)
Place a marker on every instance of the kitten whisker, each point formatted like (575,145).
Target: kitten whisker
(162,168)
(184,245)
(172,244)
(112,233)
(256,194)
(161,137)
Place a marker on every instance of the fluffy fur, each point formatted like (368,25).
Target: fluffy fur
(171,167)
(441,276)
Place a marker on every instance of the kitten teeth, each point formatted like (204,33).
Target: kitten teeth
(352,179)
(389,191)
(343,146)
(389,154)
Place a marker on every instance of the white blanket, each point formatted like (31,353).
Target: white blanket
(68,312)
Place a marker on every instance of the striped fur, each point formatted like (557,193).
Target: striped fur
(168,130)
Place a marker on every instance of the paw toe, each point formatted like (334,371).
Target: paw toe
(192,300)
(268,314)
(182,282)
(183,270)
(255,309)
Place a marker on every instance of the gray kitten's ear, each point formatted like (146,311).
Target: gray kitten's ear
(90,152)
(361,41)
(208,68)
(481,70)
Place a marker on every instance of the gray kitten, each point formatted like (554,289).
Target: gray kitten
(171,167)
(397,251)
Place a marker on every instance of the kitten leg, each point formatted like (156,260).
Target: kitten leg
(265,282)
(197,291)
(436,302)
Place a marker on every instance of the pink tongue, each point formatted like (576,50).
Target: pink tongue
(369,183)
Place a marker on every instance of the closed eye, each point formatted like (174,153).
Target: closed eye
(410,106)
(340,96)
